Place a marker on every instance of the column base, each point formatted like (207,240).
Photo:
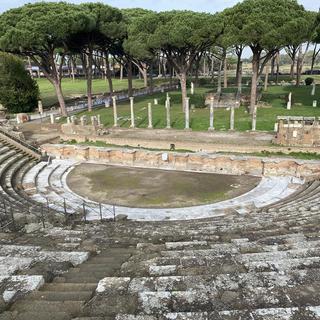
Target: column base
(211,129)
(168,127)
(150,127)
(187,129)
(116,126)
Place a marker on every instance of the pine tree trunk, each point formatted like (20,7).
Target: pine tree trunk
(108,75)
(151,78)
(219,89)
(57,85)
(225,70)
(239,77)
(129,70)
(314,56)
(89,79)
(299,67)
(254,81)
(278,67)
(238,68)
(183,82)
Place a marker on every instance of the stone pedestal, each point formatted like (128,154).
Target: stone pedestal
(211,127)
(155,102)
(150,125)
(168,113)
(187,115)
(314,103)
(115,114)
(74,120)
(132,113)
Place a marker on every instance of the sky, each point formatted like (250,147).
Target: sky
(161,5)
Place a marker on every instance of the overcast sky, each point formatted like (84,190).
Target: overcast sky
(160,5)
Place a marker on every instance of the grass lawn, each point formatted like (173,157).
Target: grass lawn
(199,117)
(72,89)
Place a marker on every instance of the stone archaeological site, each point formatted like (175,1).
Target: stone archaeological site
(160,160)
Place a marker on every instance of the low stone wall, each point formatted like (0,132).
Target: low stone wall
(183,145)
(224,164)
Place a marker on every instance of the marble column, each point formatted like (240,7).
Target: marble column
(150,125)
(168,113)
(187,114)
(192,88)
(40,107)
(132,113)
(211,127)
(313,92)
(232,118)
(115,114)
(289,103)
(254,119)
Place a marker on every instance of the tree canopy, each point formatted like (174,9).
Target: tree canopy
(18,91)
(41,32)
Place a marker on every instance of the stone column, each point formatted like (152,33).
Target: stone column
(52,120)
(132,113)
(289,103)
(168,113)
(313,92)
(232,118)
(155,102)
(40,107)
(192,88)
(211,127)
(150,126)
(68,120)
(314,103)
(187,114)
(115,114)
(99,119)
(254,119)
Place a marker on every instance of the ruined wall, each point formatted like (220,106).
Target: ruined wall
(298,131)
(224,164)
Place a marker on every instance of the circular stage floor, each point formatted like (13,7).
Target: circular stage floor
(154,188)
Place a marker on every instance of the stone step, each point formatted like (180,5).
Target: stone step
(60,295)
(72,308)
(74,279)
(43,315)
(307,313)
(224,282)
(69,287)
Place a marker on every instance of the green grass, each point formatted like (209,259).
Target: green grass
(110,145)
(296,155)
(199,117)
(72,89)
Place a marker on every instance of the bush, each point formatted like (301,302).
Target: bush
(18,91)
(309,81)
